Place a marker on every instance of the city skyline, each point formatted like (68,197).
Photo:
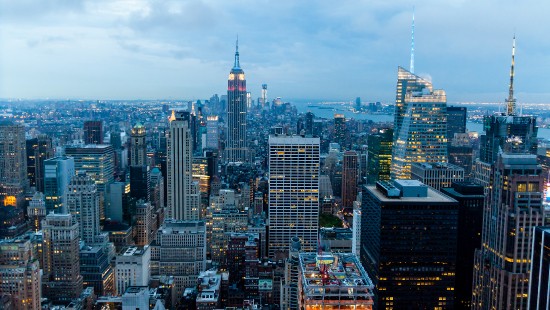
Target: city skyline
(140,49)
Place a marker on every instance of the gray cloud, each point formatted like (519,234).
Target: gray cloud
(302,49)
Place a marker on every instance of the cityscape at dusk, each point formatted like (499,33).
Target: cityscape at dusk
(274,155)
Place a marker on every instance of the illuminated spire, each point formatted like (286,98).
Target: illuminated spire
(412,46)
(173,116)
(511,101)
(237,64)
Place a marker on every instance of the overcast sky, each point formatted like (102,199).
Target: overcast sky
(147,49)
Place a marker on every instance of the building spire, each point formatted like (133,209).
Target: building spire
(237,64)
(511,101)
(412,45)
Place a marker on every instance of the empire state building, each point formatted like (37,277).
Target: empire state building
(236,144)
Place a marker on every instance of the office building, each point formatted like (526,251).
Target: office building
(132,267)
(212,132)
(93,132)
(309,124)
(462,156)
(336,239)
(340,130)
(58,172)
(409,244)
(139,182)
(97,161)
(83,204)
(289,285)
(514,207)
(333,281)
(236,141)
(470,199)
(420,132)
(136,298)
(143,227)
(14,222)
(13,164)
(349,179)
(138,146)
(62,280)
(379,155)
(180,251)
(119,196)
(96,269)
(36,211)
(38,150)
(437,175)
(293,196)
(539,279)
(456,121)
(183,193)
(20,274)
(508,132)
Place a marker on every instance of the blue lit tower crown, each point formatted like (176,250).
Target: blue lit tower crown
(236,144)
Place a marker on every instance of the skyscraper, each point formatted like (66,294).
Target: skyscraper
(420,133)
(97,160)
(183,193)
(340,131)
(20,274)
(409,244)
(514,207)
(379,155)
(38,150)
(212,133)
(349,179)
(293,192)
(456,121)
(93,132)
(236,140)
(58,172)
(508,132)
(62,280)
(13,164)
(138,151)
(83,204)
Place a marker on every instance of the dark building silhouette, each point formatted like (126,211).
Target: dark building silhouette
(38,150)
(349,179)
(470,199)
(456,121)
(409,244)
(236,141)
(93,132)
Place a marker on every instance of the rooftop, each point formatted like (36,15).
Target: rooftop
(333,274)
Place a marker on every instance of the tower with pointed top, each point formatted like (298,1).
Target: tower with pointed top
(508,132)
(511,101)
(236,142)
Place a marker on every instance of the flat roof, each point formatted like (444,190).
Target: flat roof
(433,195)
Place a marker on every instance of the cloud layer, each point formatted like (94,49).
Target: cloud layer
(115,49)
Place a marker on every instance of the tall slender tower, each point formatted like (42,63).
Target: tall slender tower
(511,101)
(236,144)
(349,179)
(183,193)
(138,152)
(420,133)
(293,192)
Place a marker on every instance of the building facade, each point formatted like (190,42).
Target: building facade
(349,179)
(58,172)
(236,145)
(409,244)
(13,164)
(420,132)
(183,193)
(293,195)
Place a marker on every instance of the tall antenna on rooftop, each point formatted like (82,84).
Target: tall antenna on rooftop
(411,68)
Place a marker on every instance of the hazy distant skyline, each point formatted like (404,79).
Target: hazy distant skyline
(149,49)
